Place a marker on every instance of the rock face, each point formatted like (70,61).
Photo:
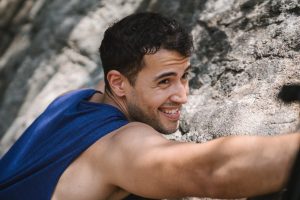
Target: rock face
(245,50)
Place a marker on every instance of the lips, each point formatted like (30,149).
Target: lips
(172,114)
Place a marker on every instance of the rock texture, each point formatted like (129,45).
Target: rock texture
(245,50)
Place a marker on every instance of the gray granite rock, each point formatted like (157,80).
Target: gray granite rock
(55,52)
(244,54)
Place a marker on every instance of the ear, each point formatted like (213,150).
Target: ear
(117,82)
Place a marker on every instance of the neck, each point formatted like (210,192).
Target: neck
(113,100)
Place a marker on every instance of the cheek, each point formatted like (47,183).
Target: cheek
(154,101)
(150,99)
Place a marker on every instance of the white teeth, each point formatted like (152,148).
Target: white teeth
(170,111)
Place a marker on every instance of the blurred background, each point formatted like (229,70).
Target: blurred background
(245,50)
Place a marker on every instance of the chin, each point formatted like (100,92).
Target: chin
(166,131)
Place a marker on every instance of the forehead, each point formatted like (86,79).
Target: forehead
(165,60)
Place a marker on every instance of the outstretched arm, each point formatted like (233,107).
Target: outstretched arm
(146,164)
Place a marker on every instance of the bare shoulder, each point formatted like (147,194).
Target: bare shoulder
(130,140)
(134,138)
(135,131)
(136,158)
(139,128)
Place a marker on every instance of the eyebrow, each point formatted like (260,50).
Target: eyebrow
(166,74)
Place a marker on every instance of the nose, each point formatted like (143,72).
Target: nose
(181,92)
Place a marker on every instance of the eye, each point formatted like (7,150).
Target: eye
(164,82)
(186,76)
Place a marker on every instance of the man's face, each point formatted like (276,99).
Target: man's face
(160,90)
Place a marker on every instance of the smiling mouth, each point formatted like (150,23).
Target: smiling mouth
(172,114)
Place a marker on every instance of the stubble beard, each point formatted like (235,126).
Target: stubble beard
(138,115)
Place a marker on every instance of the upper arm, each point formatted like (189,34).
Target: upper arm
(145,163)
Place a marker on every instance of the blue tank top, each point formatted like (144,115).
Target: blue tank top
(32,167)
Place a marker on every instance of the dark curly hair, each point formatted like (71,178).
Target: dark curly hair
(128,40)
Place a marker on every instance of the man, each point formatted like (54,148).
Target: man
(88,145)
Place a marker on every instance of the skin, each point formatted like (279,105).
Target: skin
(137,159)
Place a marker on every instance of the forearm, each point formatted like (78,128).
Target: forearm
(247,166)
